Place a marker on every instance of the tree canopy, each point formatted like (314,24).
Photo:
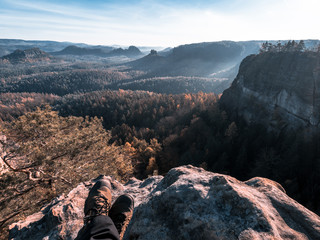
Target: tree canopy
(290,46)
(45,154)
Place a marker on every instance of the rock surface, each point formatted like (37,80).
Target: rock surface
(277,89)
(188,203)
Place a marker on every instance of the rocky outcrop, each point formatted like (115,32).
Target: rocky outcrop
(188,203)
(278,89)
(26,56)
(132,51)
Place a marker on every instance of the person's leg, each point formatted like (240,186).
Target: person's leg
(101,227)
(98,225)
(121,213)
(101,220)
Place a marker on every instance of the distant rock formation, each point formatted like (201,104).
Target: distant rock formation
(132,51)
(188,203)
(26,56)
(151,62)
(278,89)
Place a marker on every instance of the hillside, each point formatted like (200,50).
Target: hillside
(60,77)
(132,51)
(81,51)
(188,203)
(10,45)
(200,59)
(32,55)
(74,75)
(208,59)
(174,85)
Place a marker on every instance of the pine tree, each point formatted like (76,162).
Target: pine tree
(301,46)
(46,154)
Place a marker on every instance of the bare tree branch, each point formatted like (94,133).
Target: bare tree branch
(26,171)
(3,221)
(55,177)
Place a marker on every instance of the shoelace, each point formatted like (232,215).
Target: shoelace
(119,221)
(94,212)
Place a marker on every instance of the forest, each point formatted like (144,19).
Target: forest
(62,124)
(164,131)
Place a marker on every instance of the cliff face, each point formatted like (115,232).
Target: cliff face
(277,89)
(188,203)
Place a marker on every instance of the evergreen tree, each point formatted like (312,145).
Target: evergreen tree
(46,154)
(301,46)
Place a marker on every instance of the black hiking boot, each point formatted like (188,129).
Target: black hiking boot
(98,201)
(121,213)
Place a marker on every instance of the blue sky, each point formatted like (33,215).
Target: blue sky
(159,23)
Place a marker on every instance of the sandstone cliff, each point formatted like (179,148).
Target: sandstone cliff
(188,203)
(278,89)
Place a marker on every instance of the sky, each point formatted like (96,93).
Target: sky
(159,22)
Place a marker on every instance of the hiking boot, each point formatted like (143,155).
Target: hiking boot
(121,213)
(98,201)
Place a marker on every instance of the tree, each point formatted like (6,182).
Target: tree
(264,47)
(301,46)
(145,156)
(232,131)
(153,52)
(288,46)
(279,46)
(46,154)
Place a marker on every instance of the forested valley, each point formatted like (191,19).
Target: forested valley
(66,122)
(160,131)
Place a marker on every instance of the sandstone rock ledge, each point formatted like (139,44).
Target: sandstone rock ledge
(188,203)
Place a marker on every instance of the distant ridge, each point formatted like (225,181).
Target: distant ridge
(132,51)
(81,51)
(27,56)
(199,59)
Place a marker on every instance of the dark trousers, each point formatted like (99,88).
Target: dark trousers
(101,227)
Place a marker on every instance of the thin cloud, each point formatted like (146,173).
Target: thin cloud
(167,23)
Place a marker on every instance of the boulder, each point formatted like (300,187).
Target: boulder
(188,203)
